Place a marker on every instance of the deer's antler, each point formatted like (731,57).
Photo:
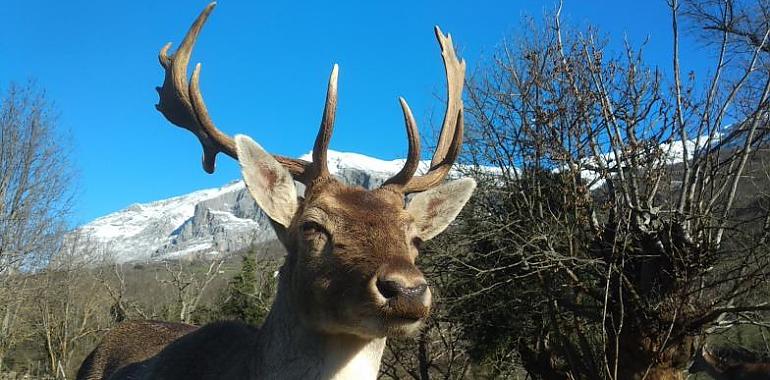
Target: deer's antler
(321,145)
(182,104)
(450,139)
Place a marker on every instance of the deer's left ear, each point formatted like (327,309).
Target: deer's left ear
(435,209)
(271,185)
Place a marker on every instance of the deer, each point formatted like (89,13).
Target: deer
(349,280)
(721,368)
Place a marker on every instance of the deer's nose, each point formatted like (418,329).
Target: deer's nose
(403,288)
(396,286)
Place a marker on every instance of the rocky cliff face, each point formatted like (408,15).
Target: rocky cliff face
(212,221)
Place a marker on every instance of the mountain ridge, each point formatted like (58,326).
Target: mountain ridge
(211,221)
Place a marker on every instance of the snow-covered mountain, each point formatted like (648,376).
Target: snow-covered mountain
(211,221)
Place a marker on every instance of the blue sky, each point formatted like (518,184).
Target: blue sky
(265,66)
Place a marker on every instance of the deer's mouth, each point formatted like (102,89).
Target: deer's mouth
(404,318)
(405,312)
(397,327)
(394,317)
(382,324)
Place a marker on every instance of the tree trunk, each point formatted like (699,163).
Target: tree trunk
(422,355)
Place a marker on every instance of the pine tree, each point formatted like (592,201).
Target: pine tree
(246,298)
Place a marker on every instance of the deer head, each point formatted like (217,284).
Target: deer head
(351,252)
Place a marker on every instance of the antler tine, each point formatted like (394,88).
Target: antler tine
(321,146)
(216,141)
(413,156)
(455,74)
(176,97)
(439,171)
(182,103)
(451,136)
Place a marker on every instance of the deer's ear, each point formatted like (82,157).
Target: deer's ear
(269,183)
(434,209)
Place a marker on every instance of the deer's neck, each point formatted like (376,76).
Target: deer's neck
(288,349)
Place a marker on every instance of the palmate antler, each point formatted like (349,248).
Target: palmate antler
(182,104)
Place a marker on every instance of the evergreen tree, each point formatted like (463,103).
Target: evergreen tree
(248,297)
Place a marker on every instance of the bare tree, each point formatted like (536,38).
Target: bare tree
(439,352)
(111,274)
(13,326)
(612,235)
(69,308)
(188,285)
(744,21)
(35,177)
(35,193)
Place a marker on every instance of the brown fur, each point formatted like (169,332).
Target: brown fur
(270,176)
(369,233)
(130,342)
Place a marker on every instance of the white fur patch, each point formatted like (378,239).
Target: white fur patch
(364,364)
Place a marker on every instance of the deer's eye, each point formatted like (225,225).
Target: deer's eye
(311,227)
(315,234)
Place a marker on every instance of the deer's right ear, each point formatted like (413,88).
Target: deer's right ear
(269,183)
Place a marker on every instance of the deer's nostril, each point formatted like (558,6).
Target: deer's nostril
(395,289)
(389,288)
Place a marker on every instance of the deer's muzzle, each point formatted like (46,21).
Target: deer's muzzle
(403,292)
